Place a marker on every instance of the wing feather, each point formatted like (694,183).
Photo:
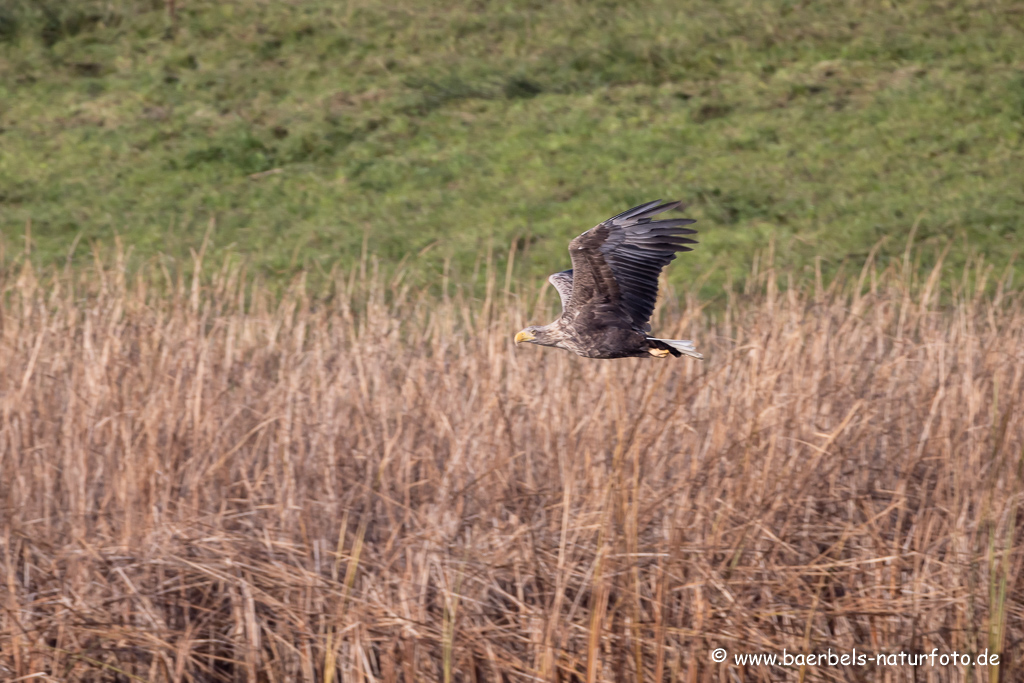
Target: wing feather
(562,282)
(616,265)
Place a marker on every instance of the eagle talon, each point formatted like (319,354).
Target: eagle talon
(658,353)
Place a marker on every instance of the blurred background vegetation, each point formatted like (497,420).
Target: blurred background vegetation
(436,131)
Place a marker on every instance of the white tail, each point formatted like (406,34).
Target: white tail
(683,346)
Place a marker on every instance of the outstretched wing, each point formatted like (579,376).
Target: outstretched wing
(562,282)
(617,263)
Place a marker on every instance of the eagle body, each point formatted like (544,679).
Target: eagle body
(609,294)
(590,337)
(593,341)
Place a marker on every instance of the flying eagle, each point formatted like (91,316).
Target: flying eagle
(608,295)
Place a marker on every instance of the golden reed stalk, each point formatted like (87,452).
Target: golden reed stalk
(211,482)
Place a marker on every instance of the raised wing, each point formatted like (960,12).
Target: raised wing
(563,283)
(617,263)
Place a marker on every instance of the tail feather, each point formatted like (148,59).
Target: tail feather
(679,347)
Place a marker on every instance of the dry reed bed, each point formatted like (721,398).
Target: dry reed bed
(205,482)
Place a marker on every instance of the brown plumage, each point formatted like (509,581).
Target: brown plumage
(609,294)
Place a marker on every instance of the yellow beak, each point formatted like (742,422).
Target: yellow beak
(524,336)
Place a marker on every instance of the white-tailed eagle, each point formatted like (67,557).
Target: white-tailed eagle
(609,294)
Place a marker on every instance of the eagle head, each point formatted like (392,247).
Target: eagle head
(536,335)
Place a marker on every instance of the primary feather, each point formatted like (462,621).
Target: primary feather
(617,263)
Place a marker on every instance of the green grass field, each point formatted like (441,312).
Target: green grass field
(303,127)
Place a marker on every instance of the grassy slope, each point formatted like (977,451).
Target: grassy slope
(827,124)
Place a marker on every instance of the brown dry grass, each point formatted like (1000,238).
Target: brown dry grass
(204,482)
